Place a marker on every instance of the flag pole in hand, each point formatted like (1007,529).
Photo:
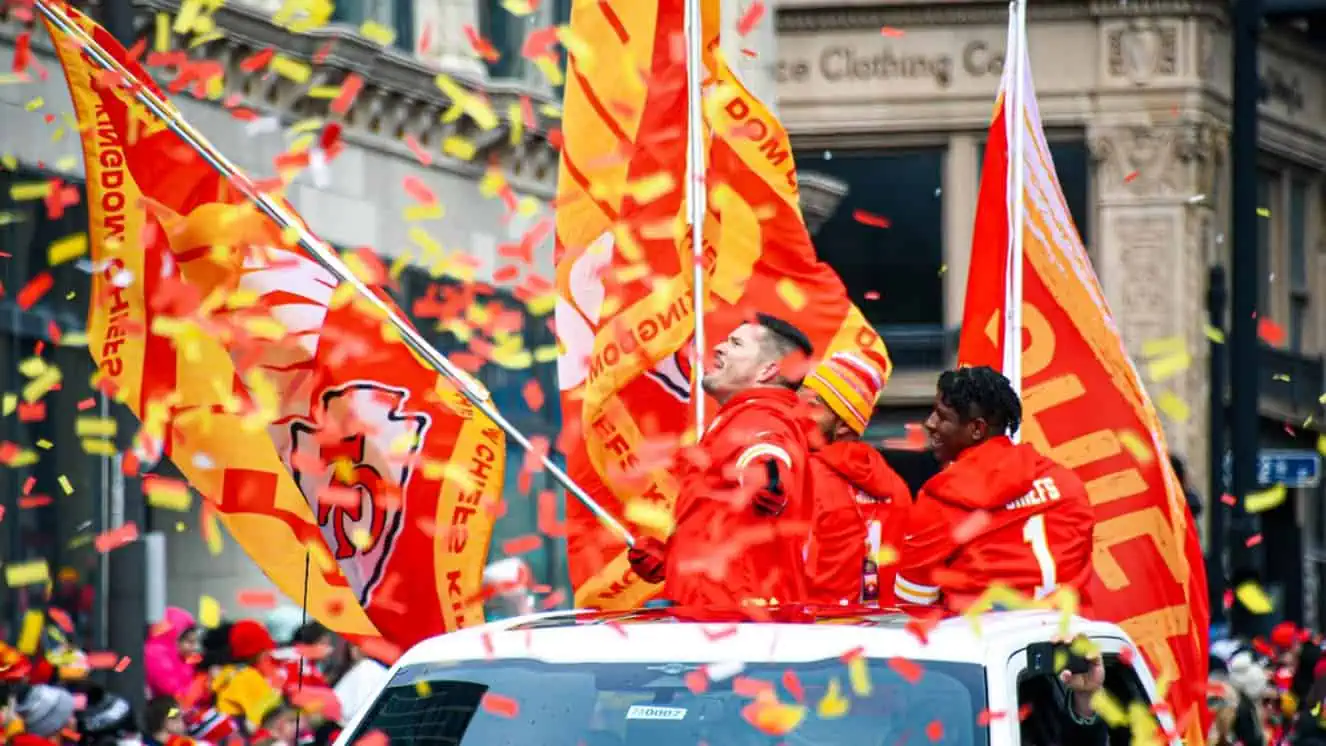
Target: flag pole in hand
(320,252)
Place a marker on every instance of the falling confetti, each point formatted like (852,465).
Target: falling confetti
(1253,598)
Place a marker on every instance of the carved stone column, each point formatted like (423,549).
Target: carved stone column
(1156,187)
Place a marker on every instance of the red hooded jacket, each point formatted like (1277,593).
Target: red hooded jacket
(1000,513)
(721,553)
(860,510)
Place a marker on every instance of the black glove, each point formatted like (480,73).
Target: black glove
(648,558)
(769,501)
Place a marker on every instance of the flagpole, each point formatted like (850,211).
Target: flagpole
(1017,56)
(695,191)
(326,257)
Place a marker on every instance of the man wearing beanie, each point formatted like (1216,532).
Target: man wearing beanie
(46,711)
(859,502)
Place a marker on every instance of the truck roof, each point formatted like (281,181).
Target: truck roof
(795,634)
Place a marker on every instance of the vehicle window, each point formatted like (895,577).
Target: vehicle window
(492,703)
(1041,703)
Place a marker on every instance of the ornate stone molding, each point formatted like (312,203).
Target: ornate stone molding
(1143,49)
(984,12)
(399,102)
(820,196)
(1179,161)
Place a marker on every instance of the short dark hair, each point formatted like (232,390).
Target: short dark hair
(783,339)
(982,392)
(158,711)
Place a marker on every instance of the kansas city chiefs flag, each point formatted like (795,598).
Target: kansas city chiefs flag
(313,432)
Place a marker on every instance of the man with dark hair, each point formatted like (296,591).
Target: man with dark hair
(998,512)
(741,517)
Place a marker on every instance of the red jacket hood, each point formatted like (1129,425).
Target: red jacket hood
(864,468)
(989,475)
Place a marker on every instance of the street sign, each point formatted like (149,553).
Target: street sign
(1290,467)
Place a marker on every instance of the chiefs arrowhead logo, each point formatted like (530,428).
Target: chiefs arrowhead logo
(367,444)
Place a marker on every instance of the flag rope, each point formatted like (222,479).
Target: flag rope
(325,256)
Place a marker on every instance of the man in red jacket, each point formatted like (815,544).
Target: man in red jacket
(741,516)
(998,512)
(860,503)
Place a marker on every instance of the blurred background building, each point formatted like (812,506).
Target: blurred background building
(888,104)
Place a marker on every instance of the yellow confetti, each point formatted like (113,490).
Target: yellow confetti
(99,447)
(45,444)
(378,33)
(790,293)
(651,187)
(10,78)
(96,427)
(859,675)
(545,354)
(30,190)
(1172,406)
(1168,366)
(430,211)
(303,15)
(1109,709)
(35,104)
(551,70)
(1215,335)
(458,147)
(9,404)
(518,8)
(311,124)
(29,636)
(66,485)
(650,515)
(291,69)
(168,495)
(465,102)
(834,704)
(1136,446)
(422,688)
(209,612)
(1263,212)
(9,161)
(1253,598)
(62,250)
(41,385)
(1264,500)
(517,120)
(32,572)
(324,91)
(775,718)
(1321,442)
(1163,346)
(161,39)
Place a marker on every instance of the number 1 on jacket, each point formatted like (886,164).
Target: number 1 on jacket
(1033,533)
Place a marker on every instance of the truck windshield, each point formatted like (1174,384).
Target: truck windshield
(519,702)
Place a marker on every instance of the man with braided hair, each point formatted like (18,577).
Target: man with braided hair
(998,512)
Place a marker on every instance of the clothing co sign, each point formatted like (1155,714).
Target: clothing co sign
(842,63)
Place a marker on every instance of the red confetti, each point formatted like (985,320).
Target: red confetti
(793,685)
(988,716)
(852,654)
(720,633)
(745,686)
(418,190)
(908,670)
(330,138)
(549,525)
(35,501)
(1229,499)
(256,599)
(522,544)
(1254,540)
(481,46)
(425,39)
(935,730)
(751,18)
(61,619)
(34,290)
(1126,656)
(28,484)
(1270,332)
(421,155)
(320,55)
(533,394)
(499,705)
(349,90)
(116,538)
(373,738)
(971,526)
(506,274)
(22,52)
(892,33)
(696,681)
(34,412)
(867,218)
(258,60)
(1130,177)
(872,295)
(1023,712)
(98,659)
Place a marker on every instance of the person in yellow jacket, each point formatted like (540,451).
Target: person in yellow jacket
(241,688)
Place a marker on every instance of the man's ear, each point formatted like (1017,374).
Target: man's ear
(980,429)
(768,372)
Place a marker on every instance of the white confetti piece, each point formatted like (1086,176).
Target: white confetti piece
(262,126)
(724,671)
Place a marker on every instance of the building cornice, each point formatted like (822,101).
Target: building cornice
(982,12)
(399,107)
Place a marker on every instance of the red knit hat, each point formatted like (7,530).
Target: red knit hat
(249,639)
(1284,635)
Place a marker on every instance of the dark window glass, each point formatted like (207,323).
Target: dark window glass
(397,15)
(1267,182)
(1298,263)
(564,704)
(1073,166)
(893,273)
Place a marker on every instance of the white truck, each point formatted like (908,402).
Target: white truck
(660,678)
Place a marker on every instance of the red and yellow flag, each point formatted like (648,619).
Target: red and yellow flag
(309,427)
(1085,406)
(624,314)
